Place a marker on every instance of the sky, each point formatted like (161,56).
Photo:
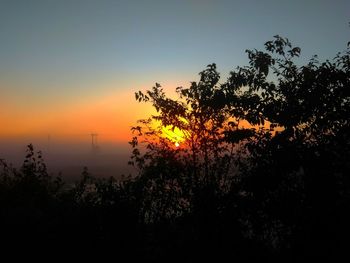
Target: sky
(69,68)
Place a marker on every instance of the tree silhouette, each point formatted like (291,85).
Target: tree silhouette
(204,161)
(296,175)
(285,170)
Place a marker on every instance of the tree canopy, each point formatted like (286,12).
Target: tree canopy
(273,139)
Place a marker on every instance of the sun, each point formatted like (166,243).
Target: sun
(174,135)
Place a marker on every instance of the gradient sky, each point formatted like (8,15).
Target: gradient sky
(71,67)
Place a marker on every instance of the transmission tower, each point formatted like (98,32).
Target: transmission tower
(94,144)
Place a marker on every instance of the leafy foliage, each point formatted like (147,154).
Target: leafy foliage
(290,162)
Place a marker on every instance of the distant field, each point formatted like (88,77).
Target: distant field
(69,159)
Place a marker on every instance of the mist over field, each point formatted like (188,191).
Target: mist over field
(70,155)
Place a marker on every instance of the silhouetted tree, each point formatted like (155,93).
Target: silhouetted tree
(203,162)
(296,175)
(270,144)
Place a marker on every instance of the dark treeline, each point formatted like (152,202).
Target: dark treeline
(261,173)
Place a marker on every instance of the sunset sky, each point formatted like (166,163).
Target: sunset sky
(71,67)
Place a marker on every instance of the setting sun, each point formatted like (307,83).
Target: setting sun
(175,135)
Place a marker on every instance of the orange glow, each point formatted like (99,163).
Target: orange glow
(111,116)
